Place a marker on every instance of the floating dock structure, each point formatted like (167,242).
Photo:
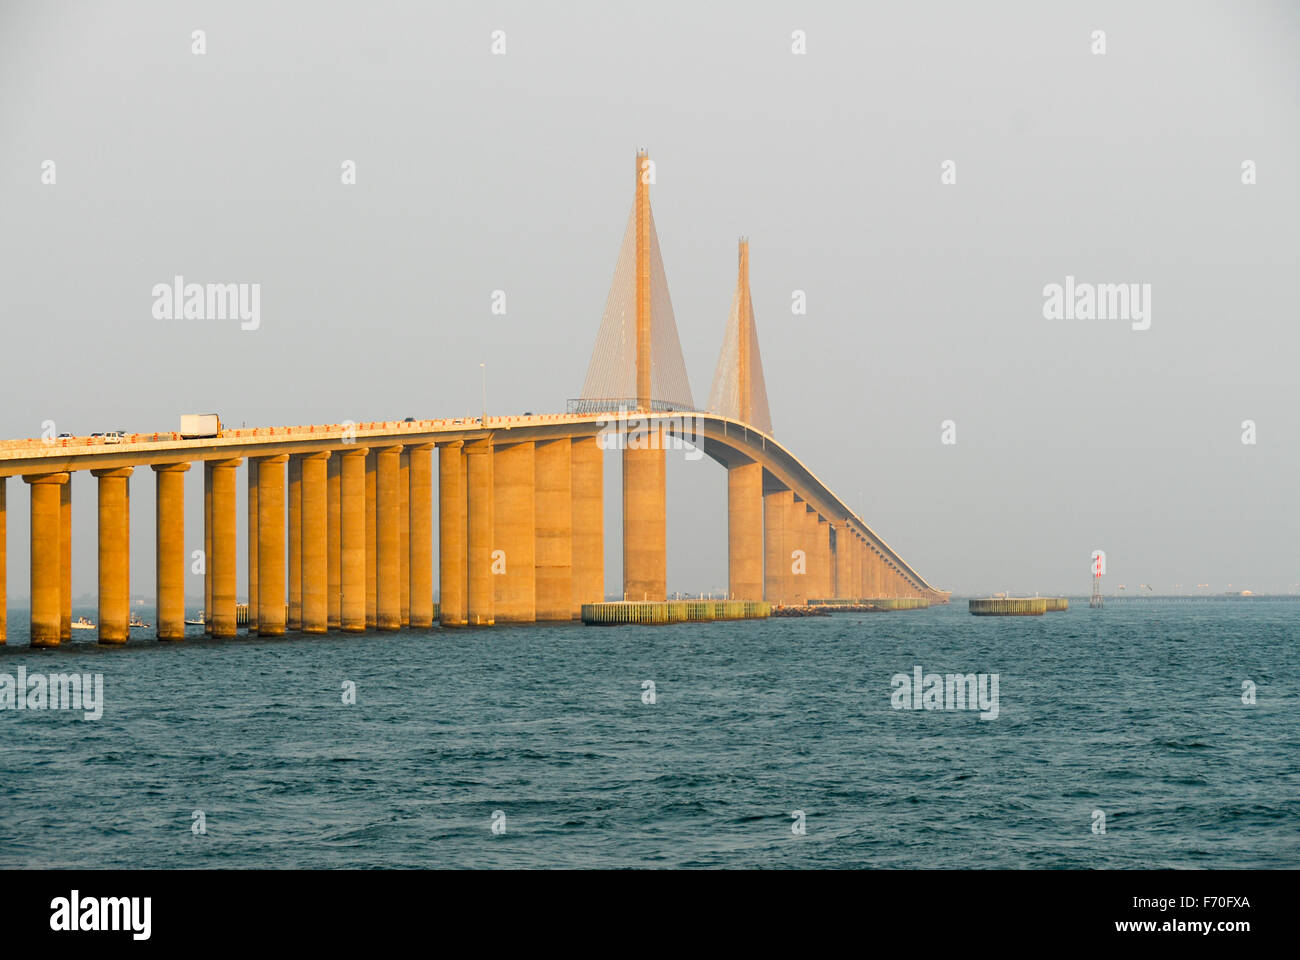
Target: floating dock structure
(672,611)
(1009,606)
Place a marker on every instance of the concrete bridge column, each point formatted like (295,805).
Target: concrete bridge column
(823,548)
(479,538)
(169,549)
(295,542)
(46,558)
(645,538)
(388,538)
(404,535)
(253,584)
(352,539)
(857,566)
(65,548)
(222,561)
(333,554)
(843,565)
(4,572)
(453,584)
(745,531)
(799,539)
(207,548)
(587,476)
(271,546)
(878,573)
(114,554)
(420,549)
(314,540)
(553,521)
(372,541)
(805,526)
(514,532)
(776,555)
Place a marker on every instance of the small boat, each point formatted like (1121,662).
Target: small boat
(81,623)
(137,623)
(198,621)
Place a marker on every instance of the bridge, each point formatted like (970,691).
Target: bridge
(340,517)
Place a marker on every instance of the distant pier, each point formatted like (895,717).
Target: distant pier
(1013,606)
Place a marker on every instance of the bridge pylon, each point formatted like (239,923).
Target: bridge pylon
(739,390)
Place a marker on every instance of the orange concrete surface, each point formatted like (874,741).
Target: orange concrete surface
(587,478)
(271,586)
(420,559)
(46,559)
(745,532)
(514,534)
(314,542)
(453,520)
(553,523)
(170,560)
(223,560)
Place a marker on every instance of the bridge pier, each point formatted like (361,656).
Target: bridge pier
(254,584)
(388,539)
(372,541)
(645,543)
(478,541)
(777,507)
(453,521)
(802,528)
(822,547)
(333,547)
(271,545)
(114,554)
(169,549)
(313,470)
(352,539)
(46,558)
(207,548)
(587,478)
(514,533)
(843,565)
(860,567)
(404,536)
(65,541)
(295,542)
(745,531)
(553,560)
(222,561)
(4,571)
(420,535)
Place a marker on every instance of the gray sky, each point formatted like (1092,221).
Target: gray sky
(478,172)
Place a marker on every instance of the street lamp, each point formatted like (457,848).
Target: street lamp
(483,421)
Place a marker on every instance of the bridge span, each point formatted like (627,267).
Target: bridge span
(340,521)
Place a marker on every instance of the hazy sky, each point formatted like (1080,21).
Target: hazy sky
(478,172)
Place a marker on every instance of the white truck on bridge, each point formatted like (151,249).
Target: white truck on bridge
(197,425)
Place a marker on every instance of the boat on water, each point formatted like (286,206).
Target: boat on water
(81,623)
(135,622)
(198,620)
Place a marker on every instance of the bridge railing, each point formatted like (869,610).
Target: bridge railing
(583,405)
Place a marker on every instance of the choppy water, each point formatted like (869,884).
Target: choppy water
(1134,710)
